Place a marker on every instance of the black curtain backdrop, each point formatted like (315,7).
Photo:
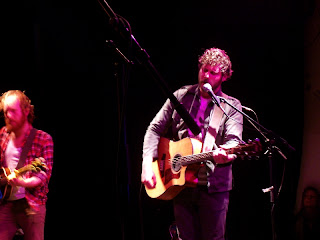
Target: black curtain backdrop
(97,110)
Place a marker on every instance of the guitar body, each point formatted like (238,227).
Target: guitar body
(5,189)
(170,174)
(178,164)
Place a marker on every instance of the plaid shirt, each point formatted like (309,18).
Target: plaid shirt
(42,146)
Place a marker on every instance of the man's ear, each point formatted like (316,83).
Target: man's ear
(26,111)
(224,78)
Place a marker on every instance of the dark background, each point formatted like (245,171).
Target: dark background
(56,52)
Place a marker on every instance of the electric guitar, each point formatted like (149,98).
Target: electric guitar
(178,163)
(5,175)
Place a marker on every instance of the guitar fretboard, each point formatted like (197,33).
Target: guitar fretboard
(191,159)
(241,150)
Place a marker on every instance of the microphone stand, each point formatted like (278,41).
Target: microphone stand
(123,33)
(143,58)
(270,139)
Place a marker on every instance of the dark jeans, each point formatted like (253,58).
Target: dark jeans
(201,215)
(18,213)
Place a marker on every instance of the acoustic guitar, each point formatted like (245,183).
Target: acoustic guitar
(5,175)
(179,161)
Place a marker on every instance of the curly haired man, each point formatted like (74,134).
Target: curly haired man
(200,212)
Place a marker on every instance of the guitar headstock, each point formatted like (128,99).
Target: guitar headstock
(247,150)
(37,165)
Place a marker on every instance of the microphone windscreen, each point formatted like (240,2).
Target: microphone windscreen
(207,87)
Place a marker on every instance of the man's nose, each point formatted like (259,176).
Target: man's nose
(206,75)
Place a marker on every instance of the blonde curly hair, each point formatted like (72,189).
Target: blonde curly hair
(216,56)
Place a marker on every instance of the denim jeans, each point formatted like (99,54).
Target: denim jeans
(14,214)
(201,215)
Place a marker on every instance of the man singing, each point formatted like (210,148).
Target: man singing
(200,212)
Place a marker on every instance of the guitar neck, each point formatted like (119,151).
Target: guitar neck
(24,169)
(240,150)
(200,157)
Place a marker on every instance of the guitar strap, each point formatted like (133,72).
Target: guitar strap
(209,141)
(26,148)
(212,131)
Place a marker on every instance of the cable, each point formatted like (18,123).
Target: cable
(250,110)
(141,213)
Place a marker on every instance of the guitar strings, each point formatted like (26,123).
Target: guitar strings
(206,155)
(190,158)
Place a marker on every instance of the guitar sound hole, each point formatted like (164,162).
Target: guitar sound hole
(176,163)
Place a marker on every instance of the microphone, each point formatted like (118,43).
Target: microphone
(247,108)
(208,89)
